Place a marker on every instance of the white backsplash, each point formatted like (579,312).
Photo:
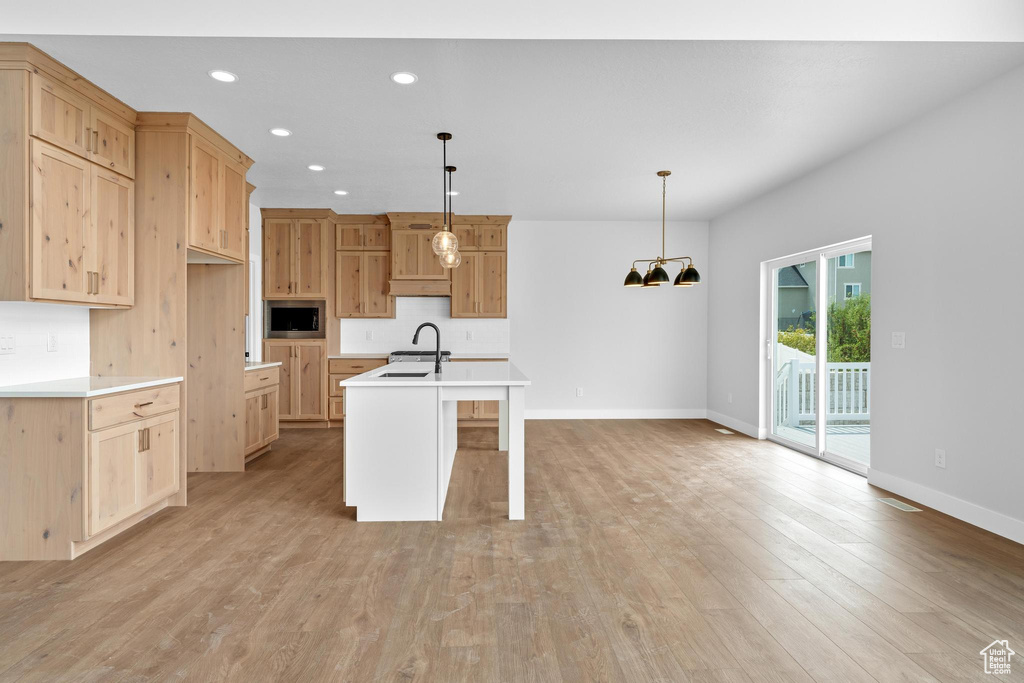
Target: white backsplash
(490,335)
(29,324)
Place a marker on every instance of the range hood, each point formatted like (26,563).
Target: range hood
(416,269)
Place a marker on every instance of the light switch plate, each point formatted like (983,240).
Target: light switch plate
(899,340)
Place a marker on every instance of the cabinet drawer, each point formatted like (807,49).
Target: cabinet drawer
(136,405)
(337,408)
(355,366)
(260,379)
(333,388)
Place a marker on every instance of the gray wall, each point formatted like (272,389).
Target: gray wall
(943,190)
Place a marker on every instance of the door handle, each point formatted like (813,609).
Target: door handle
(96,141)
(143,440)
(88,139)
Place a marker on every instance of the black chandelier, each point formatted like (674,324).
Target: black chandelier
(656,274)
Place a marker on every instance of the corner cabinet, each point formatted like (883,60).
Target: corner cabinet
(67,194)
(295,255)
(302,379)
(98,466)
(480,283)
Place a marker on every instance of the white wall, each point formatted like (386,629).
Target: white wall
(944,201)
(635,352)
(490,335)
(30,323)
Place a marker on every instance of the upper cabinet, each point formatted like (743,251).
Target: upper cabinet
(362,267)
(415,268)
(480,283)
(295,253)
(67,190)
(358,232)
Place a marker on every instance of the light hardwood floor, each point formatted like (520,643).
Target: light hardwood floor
(652,550)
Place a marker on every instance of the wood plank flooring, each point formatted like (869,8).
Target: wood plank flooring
(651,551)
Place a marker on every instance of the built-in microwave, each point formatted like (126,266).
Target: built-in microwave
(294,320)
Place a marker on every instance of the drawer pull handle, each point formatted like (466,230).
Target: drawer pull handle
(264,379)
(143,405)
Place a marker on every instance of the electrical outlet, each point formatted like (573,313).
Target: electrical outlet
(7,344)
(940,458)
(51,342)
(369,335)
(579,392)
(899,340)
(469,335)
(730,397)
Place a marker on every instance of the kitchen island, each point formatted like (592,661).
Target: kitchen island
(401,435)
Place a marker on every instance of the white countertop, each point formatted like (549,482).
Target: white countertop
(455,355)
(83,387)
(259,365)
(500,373)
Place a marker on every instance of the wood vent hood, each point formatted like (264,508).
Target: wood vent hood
(415,268)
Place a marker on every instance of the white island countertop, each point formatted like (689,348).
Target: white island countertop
(83,387)
(260,365)
(481,374)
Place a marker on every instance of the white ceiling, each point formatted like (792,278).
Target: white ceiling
(543,129)
(906,20)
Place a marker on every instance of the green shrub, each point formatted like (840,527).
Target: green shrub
(849,331)
(799,339)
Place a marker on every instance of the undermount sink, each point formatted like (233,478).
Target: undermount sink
(405,374)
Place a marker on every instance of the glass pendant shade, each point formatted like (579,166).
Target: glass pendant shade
(633,279)
(444,242)
(658,276)
(451,259)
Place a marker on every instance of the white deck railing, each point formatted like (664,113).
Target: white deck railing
(848,397)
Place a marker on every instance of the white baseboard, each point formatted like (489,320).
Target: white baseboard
(734,424)
(617,414)
(972,513)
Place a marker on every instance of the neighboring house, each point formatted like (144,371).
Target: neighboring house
(849,277)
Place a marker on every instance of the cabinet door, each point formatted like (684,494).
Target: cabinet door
(405,254)
(61,227)
(492,285)
(488,410)
(158,459)
(466,410)
(204,227)
(430,267)
(310,251)
(283,352)
(348,236)
(113,479)
(376,269)
(278,258)
(466,286)
(336,407)
(491,236)
(234,209)
(348,284)
(311,370)
(467,236)
(113,143)
(113,258)
(377,237)
(60,116)
(269,427)
(253,421)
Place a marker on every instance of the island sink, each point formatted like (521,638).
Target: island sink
(404,374)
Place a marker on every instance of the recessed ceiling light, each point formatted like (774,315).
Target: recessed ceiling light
(453,193)
(404,78)
(315,167)
(280,132)
(223,76)
(341,192)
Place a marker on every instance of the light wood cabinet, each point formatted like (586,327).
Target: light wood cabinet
(66,188)
(96,467)
(413,256)
(295,259)
(375,234)
(82,230)
(219,209)
(341,369)
(479,285)
(485,237)
(261,410)
(361,284)
(303,377)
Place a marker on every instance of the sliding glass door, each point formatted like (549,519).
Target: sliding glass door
(820,353)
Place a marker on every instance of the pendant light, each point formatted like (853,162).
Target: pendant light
(450,259)
(656,274)
(444,241)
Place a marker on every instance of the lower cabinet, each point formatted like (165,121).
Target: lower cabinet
(261,422)
(303,377)
(96,467)
(342,369)
(482,412)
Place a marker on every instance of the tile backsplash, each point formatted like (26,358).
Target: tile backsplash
(30,324)
(489,335)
